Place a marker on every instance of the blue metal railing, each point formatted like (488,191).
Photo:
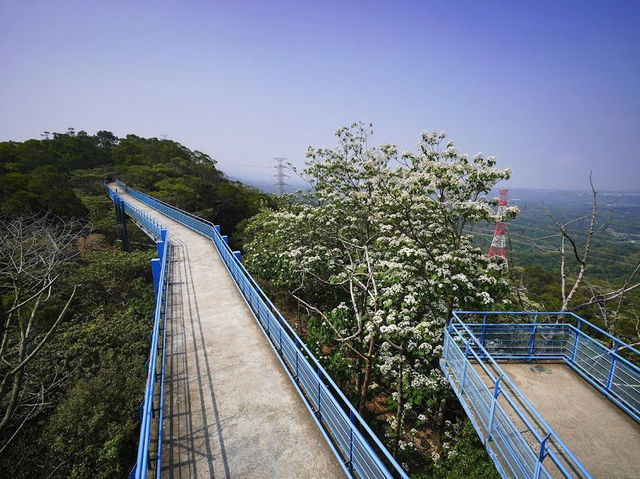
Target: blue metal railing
(517,437)
(161,272)
(359,450)
(148,224)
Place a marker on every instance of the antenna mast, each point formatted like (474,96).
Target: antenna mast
(499,242)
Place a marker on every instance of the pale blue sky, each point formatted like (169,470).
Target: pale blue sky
(551,88)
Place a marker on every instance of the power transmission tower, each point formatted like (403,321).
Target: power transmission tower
(280,174)
(499,242)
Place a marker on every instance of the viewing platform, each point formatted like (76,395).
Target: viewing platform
(550,394)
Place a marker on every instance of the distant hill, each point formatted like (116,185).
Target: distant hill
(616,249)
(57,172)
(268,184)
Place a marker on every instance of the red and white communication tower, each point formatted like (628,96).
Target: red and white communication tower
(499,242)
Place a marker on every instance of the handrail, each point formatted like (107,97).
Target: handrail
(486,341)
(160,317)
(358,444)
(620,383)
(167,246)
(135,193)
(523,398)
(147,408)
(613,352)
(144,221)
(579,319)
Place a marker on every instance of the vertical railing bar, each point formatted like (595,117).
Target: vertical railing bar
(575,346)
(613,367)
(533,340)
(541,455)
(484,329)
(464,369)
(297,372)
(319,372)
(496,393)
(351,440)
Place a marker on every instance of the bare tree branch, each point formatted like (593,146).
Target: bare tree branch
(33,250)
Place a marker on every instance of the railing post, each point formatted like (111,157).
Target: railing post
(532,342)
(575,346)
(319,371)
(160,246)
(351,440)
(156,265)
(613,367)
(541,455)
(297,349)
(496,393)
(484,329)
(464,368)
(446,347)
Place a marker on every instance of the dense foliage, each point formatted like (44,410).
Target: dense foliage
(53,173)
(75,413)
(93,372)
(368,265)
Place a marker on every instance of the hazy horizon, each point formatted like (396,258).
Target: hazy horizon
(269,183)
(549,88)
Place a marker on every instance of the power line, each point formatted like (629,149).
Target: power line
(247,165)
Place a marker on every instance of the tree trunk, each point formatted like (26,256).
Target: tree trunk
(398,431)
(367,376)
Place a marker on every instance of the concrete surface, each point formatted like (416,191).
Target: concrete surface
(602,436)
(230,409)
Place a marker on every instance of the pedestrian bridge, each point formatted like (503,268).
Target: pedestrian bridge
(550,394)
(231,389)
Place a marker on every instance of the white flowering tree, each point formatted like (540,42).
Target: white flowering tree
(380,251)
(327,250)
(428,203)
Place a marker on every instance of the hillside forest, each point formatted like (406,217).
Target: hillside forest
(367,263)
(73,354)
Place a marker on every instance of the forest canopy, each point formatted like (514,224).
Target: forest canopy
(53,174)
(367,265)
(73,356)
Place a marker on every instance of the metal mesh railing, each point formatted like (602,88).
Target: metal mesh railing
(149,424)
(360,452)
(515,434)
(518,439)
(592,352)
(149,224)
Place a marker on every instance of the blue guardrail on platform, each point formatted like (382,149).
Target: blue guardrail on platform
(517,437)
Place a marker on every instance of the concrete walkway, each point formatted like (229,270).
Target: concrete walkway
(230,409)
(601,435)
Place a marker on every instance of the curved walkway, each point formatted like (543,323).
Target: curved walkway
(230,409)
